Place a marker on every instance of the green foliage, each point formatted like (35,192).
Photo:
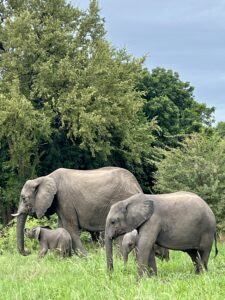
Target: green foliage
(220,129)
(87,279)
(197,166)
(69,72)
(22,128)
(172,102)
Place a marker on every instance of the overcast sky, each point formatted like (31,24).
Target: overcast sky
(185,36)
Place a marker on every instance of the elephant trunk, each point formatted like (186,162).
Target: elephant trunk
(21,220)
(125,256)
(109,253)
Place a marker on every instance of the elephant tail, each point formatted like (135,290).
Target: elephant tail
(216,249)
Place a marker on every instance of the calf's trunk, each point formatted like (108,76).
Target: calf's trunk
(125,256)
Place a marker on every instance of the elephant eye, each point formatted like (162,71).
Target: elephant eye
(24,200)
(113,221)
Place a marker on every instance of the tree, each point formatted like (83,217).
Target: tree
(172,102)
(220,128)
(74,93)
(198,165)
(22,129)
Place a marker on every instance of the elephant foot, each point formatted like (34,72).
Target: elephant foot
(25,252)
(199,270)
(148,271)
(81,253)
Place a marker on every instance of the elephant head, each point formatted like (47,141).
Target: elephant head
(33,233)
(35,198)
(129,243)
(123,217)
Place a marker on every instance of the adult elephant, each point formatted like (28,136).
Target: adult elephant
(179,221)
(80,198)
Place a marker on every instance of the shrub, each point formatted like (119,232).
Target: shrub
(197,166)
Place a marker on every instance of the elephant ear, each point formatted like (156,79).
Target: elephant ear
(37,231)
(45,195)
(138,211)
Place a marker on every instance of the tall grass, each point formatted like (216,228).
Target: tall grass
(54,278)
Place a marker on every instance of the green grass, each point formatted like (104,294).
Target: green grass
(74,278)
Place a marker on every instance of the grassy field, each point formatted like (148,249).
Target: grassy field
(86,278)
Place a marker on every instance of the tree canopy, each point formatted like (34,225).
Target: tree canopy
(172,102)
(70,99)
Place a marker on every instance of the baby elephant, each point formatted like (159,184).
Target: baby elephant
(130,241)
(51,239)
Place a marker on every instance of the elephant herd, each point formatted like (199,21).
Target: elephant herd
(110,199)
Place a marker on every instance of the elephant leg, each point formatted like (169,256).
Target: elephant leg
(75,236)
(42,252)
(152,262)
(196,259)
(95,236)
(205,257)
(65,253)
(145,247)
(69,221)
(205,249)
(76,242)
(166,254)
(146,261)
(146,257)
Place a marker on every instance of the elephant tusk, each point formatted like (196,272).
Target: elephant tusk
(15,215)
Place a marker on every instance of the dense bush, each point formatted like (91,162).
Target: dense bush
(197,166)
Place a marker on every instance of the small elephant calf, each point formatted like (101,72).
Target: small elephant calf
(130,241)
(51,239)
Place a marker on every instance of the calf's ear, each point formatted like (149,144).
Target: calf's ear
(37,232)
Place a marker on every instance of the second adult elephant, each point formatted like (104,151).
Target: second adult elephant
(178,221)
(81,199)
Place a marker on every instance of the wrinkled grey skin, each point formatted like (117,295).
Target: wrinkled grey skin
(81,199)
(178,221)
(51,239)
(130,241)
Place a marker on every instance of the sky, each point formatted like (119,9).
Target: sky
(185,36)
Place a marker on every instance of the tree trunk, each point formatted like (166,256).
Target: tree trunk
(5,213)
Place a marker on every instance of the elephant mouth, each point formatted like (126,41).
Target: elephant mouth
(114,234)
(30,213)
